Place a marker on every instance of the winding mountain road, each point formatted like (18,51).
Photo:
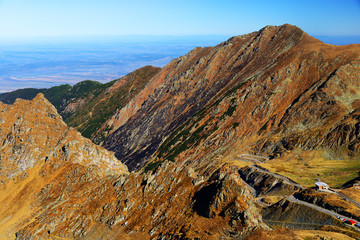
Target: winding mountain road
(288,181)
(329,212)
(260,201)
(254,158)
(248,157)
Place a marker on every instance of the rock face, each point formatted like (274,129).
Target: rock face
(33,133)
(267,92)
(92,114)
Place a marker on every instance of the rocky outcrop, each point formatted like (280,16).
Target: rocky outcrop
(36,148)
(33,133)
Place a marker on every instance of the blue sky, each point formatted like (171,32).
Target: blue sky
(34,18)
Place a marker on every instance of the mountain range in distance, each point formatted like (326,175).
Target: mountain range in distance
(225,142)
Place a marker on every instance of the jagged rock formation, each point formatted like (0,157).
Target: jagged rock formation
(32,132)
(37,150)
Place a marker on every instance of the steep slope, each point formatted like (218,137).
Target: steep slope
(266,92)
(56,184)
(90,117)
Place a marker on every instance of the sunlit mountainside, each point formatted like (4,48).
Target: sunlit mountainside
(256,137)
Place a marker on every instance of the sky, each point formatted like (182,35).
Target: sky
(48,42)
(58,18)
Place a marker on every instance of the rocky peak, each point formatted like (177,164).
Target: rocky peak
(32,133)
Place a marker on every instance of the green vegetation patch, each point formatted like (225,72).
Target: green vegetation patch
(152,166)
(229,112)
(26,93)
(189,134)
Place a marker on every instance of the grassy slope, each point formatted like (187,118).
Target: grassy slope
(305,167)
(105,103)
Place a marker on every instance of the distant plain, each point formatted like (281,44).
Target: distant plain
(47,62)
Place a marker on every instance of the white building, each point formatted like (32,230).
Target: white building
(321,186)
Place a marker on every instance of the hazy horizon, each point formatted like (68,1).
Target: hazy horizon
(46,43)
(43,64)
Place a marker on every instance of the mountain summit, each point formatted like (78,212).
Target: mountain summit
(257,86)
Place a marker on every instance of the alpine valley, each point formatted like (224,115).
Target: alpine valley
(226,142)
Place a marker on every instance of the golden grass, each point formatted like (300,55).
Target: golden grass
(16,199)
(305,167)
(316,234)
(239,163)
(352,193)
(272,199)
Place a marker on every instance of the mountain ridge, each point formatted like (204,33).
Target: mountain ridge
(291,40)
